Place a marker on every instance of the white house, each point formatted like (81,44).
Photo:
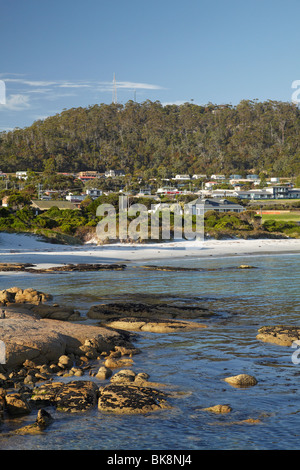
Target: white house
(198,177)
(21,175)
(169,190)
(210,184)
(182,177)
(114,173)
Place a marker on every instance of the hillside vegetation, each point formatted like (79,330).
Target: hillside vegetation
(151,139)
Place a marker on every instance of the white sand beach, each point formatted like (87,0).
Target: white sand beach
(23,248)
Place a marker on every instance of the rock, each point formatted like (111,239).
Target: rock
(281,334)
(2,403)
(31,268)
(75,396)
(127,351)
(123,376)
(45,394)
(153,325)
(16,404)
(65,362)
(77,371)
(145,311)
(56,312)
(112,363)
(218,409)
(246,266)
(158,318)
(131,399)
(103,373)
(241,380)
(18,295)
(43,420)
(28,337)
(241,422)
(31,296)
(91,352)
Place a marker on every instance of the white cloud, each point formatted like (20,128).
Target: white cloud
(177,103)
(16,102)
(48,86)
(138,86)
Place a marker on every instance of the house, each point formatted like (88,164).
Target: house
(75,199)
(94,193)
(3,175)
(168,190)
(238,181)
(198,177)
(273,192)
(198,206)
(21,175)
(255,194)
(235,177)
(42,206)
(223,193)
(210,184)
(114,173)
(285,192)
(145,192)
(182,177)
(5,201)
(218,177)
(87,175)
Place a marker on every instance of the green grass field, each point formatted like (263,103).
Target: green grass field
(283,217)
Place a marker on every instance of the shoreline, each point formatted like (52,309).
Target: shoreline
(28,248)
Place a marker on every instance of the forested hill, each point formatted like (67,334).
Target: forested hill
(149,138)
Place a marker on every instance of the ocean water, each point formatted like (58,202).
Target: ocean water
(192,364)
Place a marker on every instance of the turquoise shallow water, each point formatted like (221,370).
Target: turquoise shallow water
(192,363)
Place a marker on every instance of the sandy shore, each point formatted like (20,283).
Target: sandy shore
(20,248)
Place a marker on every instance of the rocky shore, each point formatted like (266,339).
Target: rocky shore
(33,268)
(56,359)
(53,358)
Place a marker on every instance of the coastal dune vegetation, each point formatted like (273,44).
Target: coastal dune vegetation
(79,225)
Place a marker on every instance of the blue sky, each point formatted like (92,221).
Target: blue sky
(63,54)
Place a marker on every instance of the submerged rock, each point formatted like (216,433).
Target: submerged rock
(155,318)
(280,334)
(153,325)
(218,409)
(159,310)
(32,268)
(43,420)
